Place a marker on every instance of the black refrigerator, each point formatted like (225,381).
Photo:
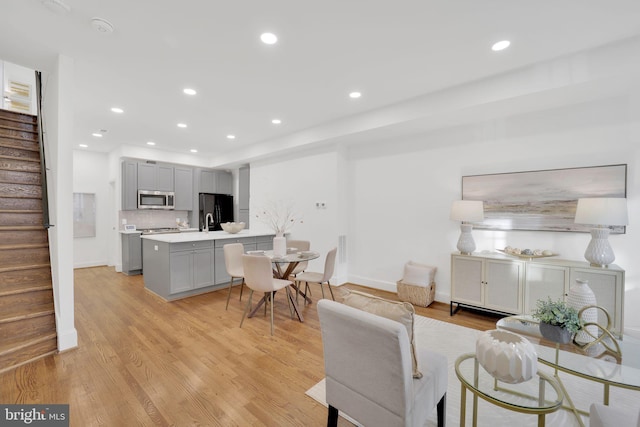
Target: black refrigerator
(220,206)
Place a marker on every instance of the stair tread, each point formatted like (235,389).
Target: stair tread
(23,159)
(35,147)
(21,288)
(15,314)
(23,246)
(20,227)
(27,211)
(17,343)
(7,127)
(23,267)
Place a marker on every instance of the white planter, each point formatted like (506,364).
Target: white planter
(508,357)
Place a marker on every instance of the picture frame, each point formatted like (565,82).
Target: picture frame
(543,200)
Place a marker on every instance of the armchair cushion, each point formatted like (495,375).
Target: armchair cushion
(401,312)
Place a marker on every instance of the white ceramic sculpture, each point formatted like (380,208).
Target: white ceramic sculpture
(232,227)
(507,356)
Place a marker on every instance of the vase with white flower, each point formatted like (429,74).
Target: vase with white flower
(280,216)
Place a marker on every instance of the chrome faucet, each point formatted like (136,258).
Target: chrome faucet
(206,220)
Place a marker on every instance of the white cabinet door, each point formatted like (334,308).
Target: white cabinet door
(466,280)
(544,281)
(503,284)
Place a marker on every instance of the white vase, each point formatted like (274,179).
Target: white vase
(279,246)
(508,357)
(581,295)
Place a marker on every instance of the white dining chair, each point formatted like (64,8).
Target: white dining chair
(233,264)
(258,276)
(319,278)
(300,245)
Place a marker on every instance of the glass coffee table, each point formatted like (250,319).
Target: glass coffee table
(539,396)
(594,364)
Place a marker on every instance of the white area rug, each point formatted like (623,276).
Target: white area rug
(453,341)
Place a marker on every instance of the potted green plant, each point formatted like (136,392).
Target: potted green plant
(558,321)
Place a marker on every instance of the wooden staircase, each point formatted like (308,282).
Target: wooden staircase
(27,318)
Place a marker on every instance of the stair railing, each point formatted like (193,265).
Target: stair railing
(43,162)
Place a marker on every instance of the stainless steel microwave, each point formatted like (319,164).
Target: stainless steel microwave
(156,199)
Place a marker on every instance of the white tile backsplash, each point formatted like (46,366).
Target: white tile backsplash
(154,219)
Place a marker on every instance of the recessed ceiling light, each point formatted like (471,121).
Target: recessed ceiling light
(231,137)
(276,121)
(97,135)
(500,45)
(151,143)
(83,145)
(268,38)
(117,110)
(189,91)
(182,125)
(193,150)
(355,95)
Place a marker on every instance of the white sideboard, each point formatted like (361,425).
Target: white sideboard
(503,284)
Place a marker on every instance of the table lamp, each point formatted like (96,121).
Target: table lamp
(601,212)
(467,211)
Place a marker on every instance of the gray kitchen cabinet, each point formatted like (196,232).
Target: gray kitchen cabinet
(129,185)
(183,183)
(207,181)
(243,187)
(155,177)
(243,216)
(131,254)
(191,266)
(224,182)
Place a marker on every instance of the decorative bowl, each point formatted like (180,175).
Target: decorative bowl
(232,227)
(507,356)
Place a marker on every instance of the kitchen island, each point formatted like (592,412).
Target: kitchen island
(179,265)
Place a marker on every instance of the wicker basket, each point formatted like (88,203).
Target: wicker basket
(416,294)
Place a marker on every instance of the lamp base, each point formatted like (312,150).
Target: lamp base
(466,244)
(599,252)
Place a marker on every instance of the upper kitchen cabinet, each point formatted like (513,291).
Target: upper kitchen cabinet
(129,185)
(155,177)
(183,179)
(213,181)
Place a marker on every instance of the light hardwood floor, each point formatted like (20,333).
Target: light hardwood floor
(143,361)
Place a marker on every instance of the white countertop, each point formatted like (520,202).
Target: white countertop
(182,230)
(200,236)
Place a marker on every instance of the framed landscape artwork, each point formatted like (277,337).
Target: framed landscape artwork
(542,200)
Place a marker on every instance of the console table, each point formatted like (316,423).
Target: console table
(504,284)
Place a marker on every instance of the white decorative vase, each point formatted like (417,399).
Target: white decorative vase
(581,295)
(279,246)
(507,356)
(466,244)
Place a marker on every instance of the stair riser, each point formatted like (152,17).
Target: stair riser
(20,204)
(19,134)
(19,165)
(26,300)
(24,118)
(17,257)
(20,190)
(32,127)
(20,153)
(33,326)
(20,219)
(30,352)
(20,177)
(26,277)
(13,237)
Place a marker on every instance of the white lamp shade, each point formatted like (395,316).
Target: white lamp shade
(602,211)
(467,210)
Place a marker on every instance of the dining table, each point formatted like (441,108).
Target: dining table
(282,268)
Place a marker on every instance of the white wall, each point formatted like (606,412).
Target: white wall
(401,191)
(90,170)
(302,181)
(19,74)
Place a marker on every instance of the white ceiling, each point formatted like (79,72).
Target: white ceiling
(391,51)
